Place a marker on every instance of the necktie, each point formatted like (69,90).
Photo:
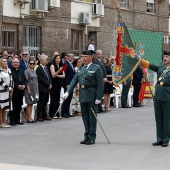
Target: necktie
(72,66)
(26,64)
(46,72)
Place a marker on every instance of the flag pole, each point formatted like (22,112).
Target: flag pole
(148,83)
(115,4)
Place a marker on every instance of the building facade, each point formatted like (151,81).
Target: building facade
(67,25)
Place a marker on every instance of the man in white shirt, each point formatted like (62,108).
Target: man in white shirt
(91,45)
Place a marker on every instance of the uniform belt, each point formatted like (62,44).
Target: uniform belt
(109,75)
(163,84)
(87,86)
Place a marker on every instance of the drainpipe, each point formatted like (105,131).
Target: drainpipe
(133,14)
(158,15)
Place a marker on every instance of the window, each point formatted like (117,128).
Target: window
(31,39)
(76,41)
(123,3)
(151,7)
(10,37)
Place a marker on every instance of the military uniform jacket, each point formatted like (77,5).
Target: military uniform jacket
(92,76)
(162,93)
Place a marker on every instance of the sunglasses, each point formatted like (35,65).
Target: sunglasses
(32,63)
(24,54)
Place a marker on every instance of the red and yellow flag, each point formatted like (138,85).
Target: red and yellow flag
(126,60)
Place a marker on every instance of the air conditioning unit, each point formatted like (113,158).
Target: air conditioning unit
(22,1)
(85,18)
(39,6)
(53,3)
(98,9)
(165,39)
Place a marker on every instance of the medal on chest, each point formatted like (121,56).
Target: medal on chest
(160,78)
(161,83)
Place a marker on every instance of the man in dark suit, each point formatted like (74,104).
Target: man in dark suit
(69,74)
(125,91)
(44,85)
(24,61)
(137,78)
(99,61)
(19,87)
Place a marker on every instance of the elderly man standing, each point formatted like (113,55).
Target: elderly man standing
(99,61)
(19,87)
(90,80)
(44,86)
(162,99)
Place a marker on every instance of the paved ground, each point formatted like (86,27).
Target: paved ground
(130,131)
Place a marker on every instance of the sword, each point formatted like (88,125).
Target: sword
(55,114)
(100,125)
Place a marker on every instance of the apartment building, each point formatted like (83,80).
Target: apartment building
(67,25)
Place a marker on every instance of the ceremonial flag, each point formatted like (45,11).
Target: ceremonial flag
(126,60)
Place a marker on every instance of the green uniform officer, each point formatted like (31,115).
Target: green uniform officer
(90,80)
(162,99)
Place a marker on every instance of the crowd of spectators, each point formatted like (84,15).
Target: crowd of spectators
(36,80)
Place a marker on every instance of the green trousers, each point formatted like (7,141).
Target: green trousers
(89,120)
(162,117)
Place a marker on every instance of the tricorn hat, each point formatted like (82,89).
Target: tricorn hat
(88,52)
(166,53)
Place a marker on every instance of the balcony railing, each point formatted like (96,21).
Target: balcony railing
(89,1)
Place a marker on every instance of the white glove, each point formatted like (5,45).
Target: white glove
(97,101)
(65,95)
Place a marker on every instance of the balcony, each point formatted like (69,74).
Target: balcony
(88,1)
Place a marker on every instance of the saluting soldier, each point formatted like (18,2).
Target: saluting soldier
(90,80)
(162,99)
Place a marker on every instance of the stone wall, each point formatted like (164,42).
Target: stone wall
(56,27)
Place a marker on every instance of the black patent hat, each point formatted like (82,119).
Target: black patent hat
(166,53)
(88,52)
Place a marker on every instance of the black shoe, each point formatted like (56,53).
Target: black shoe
(137,105)
(20,123)
(13,124)
(90,142)
(47,118)
(165,144)
(71,115)
(30,121)
(124,106)
(157,143)
(65,116)
(84,141)
(98,111)
(102,111)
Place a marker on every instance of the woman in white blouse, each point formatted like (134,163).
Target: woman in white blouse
(5,91)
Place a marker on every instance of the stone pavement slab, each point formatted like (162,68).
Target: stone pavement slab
(130,131)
